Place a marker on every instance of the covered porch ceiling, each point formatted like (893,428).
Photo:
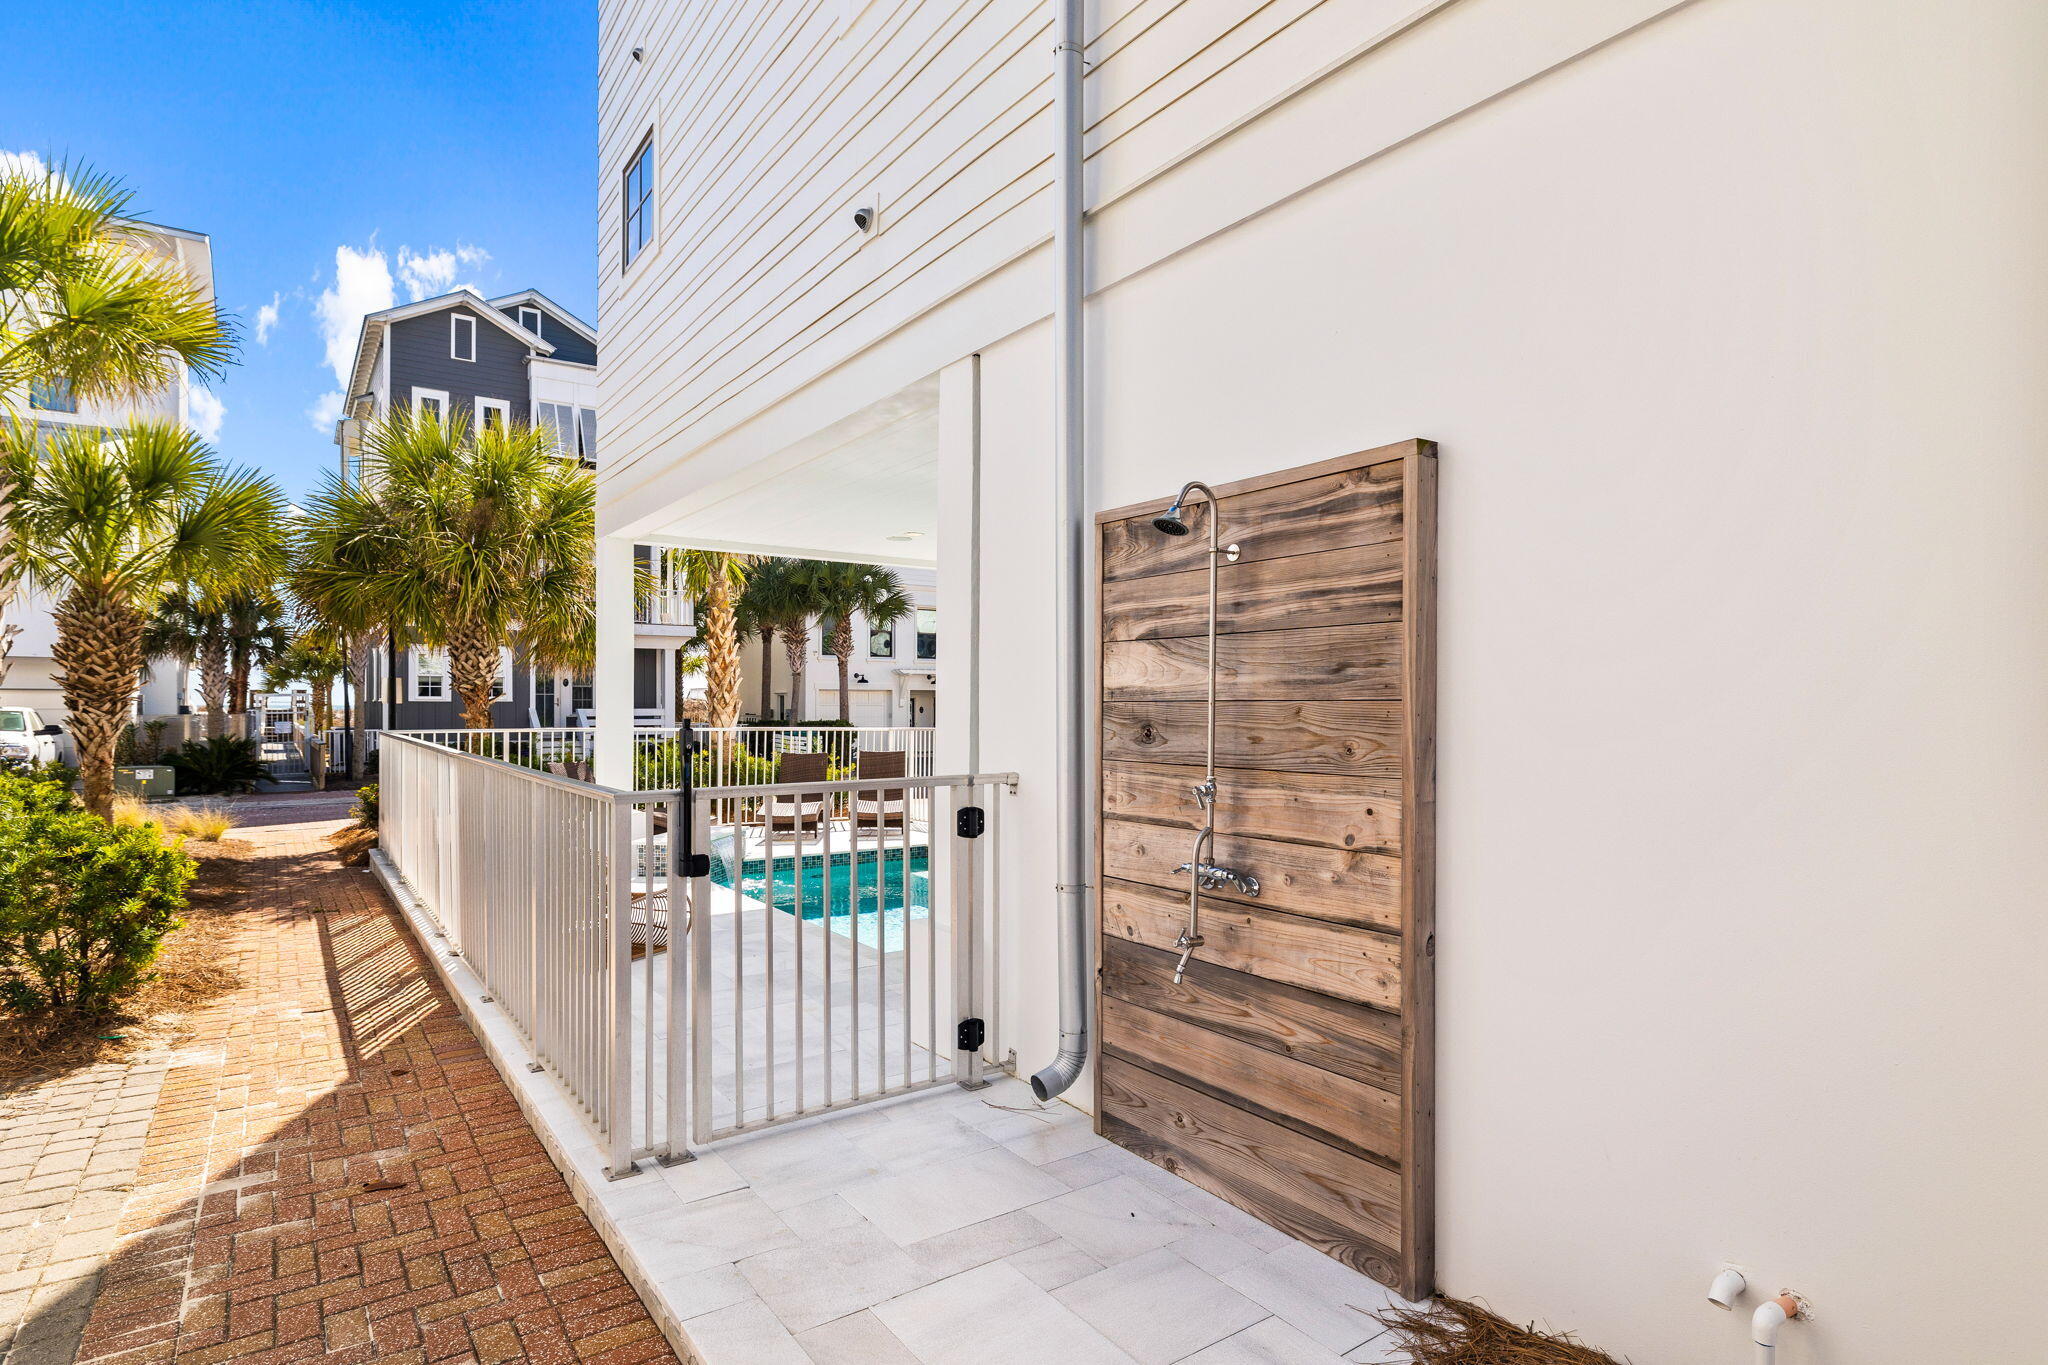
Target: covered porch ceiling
(864,489)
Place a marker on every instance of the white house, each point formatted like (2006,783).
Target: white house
(1725,320)
(893,670)
(31,675)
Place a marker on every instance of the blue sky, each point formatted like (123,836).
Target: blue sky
(340,156)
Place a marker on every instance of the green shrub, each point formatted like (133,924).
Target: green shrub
(365,809)
(222,765)
(84,904)
(30,789)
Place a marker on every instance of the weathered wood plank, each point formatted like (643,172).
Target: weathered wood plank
(1303,808)
(1335,1035)
(1329,588)
(1328,663)
(1363,459)
(1355,738)
(1348,886)
(1418,888)
(1343,1205)
(1356,506)
(1315,1103)
(1349,963)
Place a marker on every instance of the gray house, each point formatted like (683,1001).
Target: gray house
(521,358)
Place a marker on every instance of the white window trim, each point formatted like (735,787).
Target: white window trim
(448,693)
(498,405)
(455,321)
(439,394)
(534,326)
(628,258)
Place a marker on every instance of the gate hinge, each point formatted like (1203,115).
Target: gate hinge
(973,1033)
(970,821)
(697,865)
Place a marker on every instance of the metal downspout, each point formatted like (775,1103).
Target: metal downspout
(1070,490)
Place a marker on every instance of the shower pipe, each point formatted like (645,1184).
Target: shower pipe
(1070,787)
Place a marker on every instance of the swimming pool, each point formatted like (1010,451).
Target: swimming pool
(865,892)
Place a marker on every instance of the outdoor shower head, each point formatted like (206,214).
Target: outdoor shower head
(1173,521)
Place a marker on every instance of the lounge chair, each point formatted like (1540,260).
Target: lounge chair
(799,811)
(885,809)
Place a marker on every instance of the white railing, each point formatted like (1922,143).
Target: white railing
(836,936)
(532,879)
(838,941)
(667,607)
(736,756)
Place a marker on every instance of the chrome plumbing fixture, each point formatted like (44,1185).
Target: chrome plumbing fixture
(1202,874)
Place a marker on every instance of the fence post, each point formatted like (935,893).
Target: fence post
(619,1025)
(966,932)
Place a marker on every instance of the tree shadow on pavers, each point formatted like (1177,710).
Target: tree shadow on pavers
(387,1188)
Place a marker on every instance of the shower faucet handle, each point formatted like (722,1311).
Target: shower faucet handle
(1214,877)
(1205,793)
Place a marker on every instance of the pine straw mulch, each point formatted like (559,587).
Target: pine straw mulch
(192,970)
(353,843)
(1453,1332)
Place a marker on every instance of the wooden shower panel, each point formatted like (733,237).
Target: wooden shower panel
(1291,1072)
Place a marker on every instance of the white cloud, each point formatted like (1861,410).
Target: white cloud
(266,319)
(362,284)
(325,412)
(206,412)
(435,271)
(23,165)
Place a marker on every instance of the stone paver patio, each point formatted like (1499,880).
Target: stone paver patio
(329,1168)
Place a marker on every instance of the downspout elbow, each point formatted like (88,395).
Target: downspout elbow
(1065,1068)
(1765,1322)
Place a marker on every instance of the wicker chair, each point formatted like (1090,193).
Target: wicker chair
(886,809)
(799,811)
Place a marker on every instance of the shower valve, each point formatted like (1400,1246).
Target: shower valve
(1213,877)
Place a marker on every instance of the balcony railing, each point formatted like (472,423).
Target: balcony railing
(666,608)
(829,946)
(735,756)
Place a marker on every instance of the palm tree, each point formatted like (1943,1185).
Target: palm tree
(463,539)
(189,626)
(257,633)
(715,580)
(843,589)
(781,599)
(83,306)
(107,528)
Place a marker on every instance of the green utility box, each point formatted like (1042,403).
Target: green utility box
(146,780)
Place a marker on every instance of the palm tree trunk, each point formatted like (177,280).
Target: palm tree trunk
(362,657)
(721,655)
(473,666)
(793,644)
(842,650)
(238,675)
(99,649)
(213,681)
(767,677)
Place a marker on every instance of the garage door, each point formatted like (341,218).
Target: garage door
(865,706)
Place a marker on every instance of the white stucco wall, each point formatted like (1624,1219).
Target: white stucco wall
(1743,648)
(1730,329)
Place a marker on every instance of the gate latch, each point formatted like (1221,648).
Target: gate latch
(969,822)
(697,865)
(973,1033)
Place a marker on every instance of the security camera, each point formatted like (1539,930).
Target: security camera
(864,219)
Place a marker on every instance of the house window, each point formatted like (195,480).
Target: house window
(529,318)
(52,395)
(574,429)
(430,675)
(430,681)
(637,222)
(882,640)
(927,633)
(582,695)
(462,336)
(492,412)
(430,403)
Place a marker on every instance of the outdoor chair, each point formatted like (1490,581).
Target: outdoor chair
(575,769)
(799,811)
(886,809)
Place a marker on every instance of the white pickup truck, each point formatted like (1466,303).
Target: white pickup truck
(24,738)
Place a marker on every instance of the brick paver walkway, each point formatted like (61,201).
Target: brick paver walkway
(333,1170)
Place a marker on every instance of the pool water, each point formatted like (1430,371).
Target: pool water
(865,894)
